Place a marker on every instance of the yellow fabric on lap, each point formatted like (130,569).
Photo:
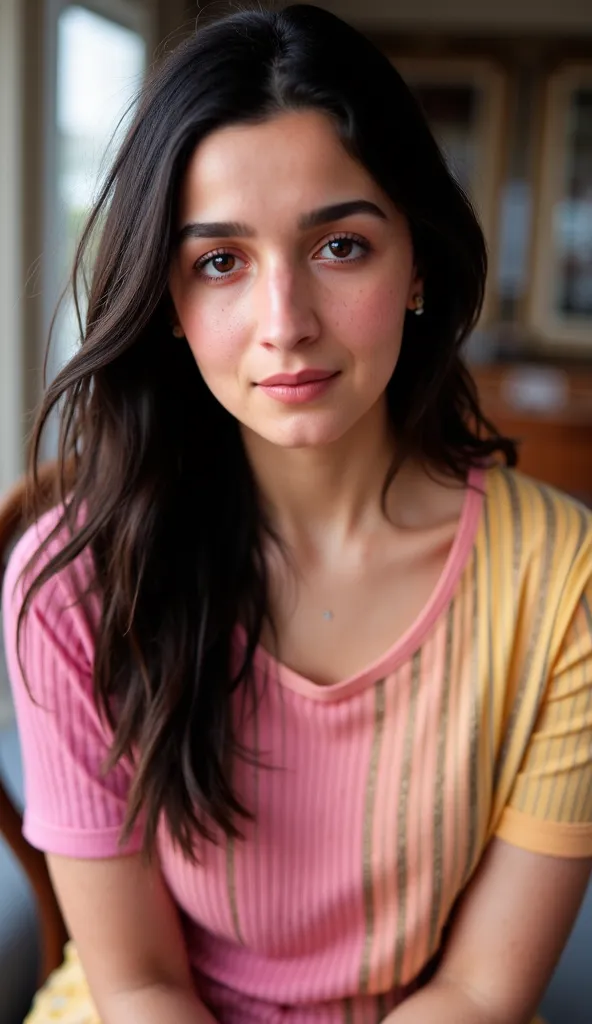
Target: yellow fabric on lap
(66,999)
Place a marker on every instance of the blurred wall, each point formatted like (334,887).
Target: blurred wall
(534,16)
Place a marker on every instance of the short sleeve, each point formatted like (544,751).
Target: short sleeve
(550,807)
(71,806)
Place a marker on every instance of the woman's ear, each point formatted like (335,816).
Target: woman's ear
(416,290)
(176,328)
(415,298)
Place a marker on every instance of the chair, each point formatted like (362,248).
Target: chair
(63,994)
(53,931)
(62,983)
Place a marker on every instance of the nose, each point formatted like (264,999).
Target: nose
(285,312)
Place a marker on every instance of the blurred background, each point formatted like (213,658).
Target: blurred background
(507,88)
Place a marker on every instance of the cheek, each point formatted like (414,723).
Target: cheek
(371,320)
(216,339)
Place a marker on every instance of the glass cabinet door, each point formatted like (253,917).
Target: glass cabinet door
(560,310)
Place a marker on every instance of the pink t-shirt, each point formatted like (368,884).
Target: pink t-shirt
(374,798)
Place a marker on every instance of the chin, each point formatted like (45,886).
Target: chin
(305,435)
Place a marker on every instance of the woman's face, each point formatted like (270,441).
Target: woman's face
(291,279)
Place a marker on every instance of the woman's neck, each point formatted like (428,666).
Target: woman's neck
(325,495)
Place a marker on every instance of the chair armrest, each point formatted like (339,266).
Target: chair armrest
(53,929)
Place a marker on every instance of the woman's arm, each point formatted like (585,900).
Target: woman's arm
(507,936)
(129,940)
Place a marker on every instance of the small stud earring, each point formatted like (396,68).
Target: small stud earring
(178,331)
(419,304)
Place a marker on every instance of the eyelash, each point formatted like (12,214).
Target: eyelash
(203,260)
(340,236)
(345,236)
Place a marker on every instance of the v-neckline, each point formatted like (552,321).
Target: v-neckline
(412,638)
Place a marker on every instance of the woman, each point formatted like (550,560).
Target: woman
(251,811)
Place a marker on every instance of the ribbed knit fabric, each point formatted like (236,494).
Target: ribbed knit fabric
(374,799)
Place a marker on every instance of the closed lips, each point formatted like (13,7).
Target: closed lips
(295,379)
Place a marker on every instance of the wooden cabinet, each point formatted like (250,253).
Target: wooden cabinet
(550,411)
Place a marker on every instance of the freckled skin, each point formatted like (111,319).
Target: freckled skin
(286,299)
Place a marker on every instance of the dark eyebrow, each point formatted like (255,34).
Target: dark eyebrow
(338,211)
(215,229)
(314,219)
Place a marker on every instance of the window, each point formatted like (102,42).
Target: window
(100,62)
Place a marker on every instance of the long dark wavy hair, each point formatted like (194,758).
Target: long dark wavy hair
(159,487)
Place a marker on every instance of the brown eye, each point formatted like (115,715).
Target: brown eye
(223,263)
(341,247)
(219,265)
(344,249)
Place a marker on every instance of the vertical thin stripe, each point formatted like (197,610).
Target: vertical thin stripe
(460,682)
(258,888)
(279,691)
(438,864)
(577,804)
(490,683)
(550,533)
(516,524)
(231,885)
(397,694)
(551,744)
(402,822)
(379,699)
(473,808)
(587,808)
(346,769)
(321,761)
(348,1011)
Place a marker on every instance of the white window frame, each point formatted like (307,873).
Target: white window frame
(11,283)
(140,17)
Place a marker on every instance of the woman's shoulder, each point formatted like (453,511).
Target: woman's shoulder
(58,600)
(521,489)
(534,512)
(43,540)
(544,535)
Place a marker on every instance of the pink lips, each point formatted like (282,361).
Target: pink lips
(296,388)
(293,379)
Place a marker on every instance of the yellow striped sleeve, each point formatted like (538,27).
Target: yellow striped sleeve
(550,807)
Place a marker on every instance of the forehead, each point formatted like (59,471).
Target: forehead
(289,163)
